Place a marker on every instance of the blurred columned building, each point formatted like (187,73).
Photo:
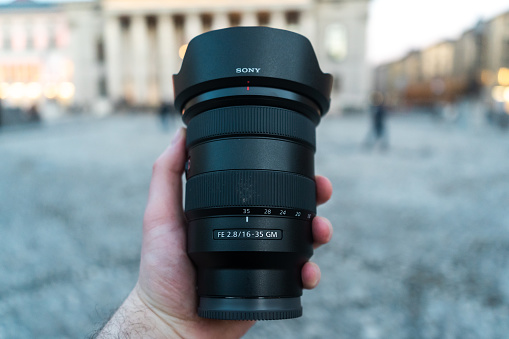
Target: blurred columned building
(83,53)
(145,41)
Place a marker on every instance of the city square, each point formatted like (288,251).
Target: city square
(421,229)
(415,143)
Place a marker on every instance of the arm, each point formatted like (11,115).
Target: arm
(163,302)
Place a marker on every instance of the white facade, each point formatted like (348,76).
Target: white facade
(144,38)
(349,67)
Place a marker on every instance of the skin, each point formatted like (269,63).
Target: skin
(163,302)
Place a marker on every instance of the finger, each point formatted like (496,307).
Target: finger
(165,195)
(310,275)
(322,231)
(323,189)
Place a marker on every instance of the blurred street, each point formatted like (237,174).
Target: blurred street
(420,250)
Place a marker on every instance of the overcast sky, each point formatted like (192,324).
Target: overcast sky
(396,26)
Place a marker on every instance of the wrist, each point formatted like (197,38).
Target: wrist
(135,319)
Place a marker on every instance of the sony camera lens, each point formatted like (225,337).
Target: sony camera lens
(251,98)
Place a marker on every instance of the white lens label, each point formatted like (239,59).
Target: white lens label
(244,233)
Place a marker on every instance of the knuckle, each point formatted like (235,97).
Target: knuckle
(158,165)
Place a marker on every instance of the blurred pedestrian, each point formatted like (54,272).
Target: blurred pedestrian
(164,114)
(378,133)
(33,114)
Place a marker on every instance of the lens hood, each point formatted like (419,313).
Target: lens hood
(253,62)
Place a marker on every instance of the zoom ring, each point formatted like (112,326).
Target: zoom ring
(251,120)
(250,188)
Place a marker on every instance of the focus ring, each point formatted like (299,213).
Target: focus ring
(250,188)
(251,120)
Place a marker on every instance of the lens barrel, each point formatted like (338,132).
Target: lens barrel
(251,98)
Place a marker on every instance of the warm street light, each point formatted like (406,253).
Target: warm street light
(33,90)
(506,94)
(498,93)
(66,91)
(4,90)
(182,51)
(17,90)
(503,76)
(50,91)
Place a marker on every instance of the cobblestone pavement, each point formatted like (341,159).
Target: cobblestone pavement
(421,245)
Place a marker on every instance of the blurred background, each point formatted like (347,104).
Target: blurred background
(416,145)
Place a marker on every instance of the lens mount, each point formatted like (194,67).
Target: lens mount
(250,308)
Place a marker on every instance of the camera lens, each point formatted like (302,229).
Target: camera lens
(251,98)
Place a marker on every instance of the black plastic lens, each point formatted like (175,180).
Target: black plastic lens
(251,98)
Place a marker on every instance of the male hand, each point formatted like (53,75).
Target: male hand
(164,301)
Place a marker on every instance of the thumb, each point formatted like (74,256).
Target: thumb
(164,206)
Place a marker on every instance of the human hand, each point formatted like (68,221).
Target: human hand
(164,301)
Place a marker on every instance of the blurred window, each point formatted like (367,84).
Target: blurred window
(336,83)
(30,42)
(234,19)
(125,22)
(206,21)
(336,42)
(6,43)
(100,50)
(506,52)
(52,40)
(292,19)
(103,91)
(263,18)
(151,22)
(179,21)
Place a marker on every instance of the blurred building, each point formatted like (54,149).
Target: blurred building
(79,54)
(471,72)
(145,41)
(48,53)
(495,73)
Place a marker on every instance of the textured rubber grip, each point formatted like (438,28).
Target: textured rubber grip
(250,315)
(250,308)
(252,121)
(250,188)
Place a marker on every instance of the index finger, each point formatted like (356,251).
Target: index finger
(323,189)
(164,204)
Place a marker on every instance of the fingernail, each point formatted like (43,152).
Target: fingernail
(318,275)
(331,230)
(176,137)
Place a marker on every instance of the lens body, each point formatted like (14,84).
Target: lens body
(250,191)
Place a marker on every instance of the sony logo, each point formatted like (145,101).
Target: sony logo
(247,70)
